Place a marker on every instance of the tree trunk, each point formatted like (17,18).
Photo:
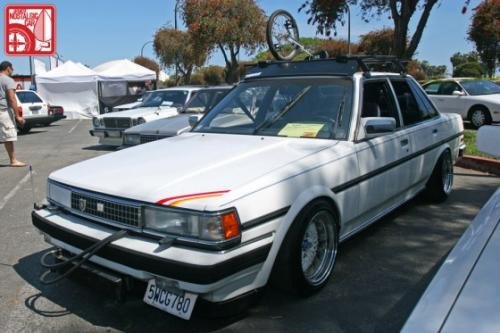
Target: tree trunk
(417,36)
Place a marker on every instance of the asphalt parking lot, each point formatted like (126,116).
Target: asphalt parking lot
(379,276)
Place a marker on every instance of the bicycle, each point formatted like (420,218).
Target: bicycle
(282,36)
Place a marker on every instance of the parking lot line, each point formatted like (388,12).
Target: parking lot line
(14,191)
(73,128)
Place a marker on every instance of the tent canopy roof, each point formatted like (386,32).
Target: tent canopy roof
(123,70)
(68,72)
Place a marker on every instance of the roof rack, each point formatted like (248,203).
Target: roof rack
(340,65)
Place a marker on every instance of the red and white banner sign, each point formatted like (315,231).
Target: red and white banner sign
(30,29)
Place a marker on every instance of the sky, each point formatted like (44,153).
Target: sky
(95,31)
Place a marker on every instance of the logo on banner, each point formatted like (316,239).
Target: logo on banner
(30,29)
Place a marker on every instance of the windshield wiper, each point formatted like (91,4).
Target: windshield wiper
(287,108)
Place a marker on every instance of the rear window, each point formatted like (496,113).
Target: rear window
(28,97)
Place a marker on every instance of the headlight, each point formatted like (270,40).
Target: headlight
(210,227)
(138,121)
(131,139)
(96,122)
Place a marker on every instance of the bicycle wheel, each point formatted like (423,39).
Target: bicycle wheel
(282,35)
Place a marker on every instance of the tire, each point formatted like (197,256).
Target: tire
(307,256)
(275,37)
(479,117)
(24,130)
(440,183)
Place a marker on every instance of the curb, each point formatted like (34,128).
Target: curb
(479,164)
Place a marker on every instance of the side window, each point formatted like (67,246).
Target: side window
(447,88)
(432,88)
(411,110)
(378,101)
(422,99)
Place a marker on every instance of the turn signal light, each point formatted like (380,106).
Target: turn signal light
(230,225)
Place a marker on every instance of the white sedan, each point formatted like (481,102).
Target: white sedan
(162,103)
(297,158)
(475,100)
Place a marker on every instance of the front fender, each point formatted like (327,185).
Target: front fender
(302,201)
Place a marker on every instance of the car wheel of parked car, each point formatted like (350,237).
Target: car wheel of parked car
(479,117)
(441,181)
(308,253)
(24,130)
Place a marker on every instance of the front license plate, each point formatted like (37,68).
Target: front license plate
(34,112)
(168,301)
(115,134)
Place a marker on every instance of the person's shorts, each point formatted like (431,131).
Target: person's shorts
(8,131)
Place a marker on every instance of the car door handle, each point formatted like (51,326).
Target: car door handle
(434,131)
(404,142)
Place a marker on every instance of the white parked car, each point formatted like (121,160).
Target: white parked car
(159,104)
(464,295)
(297,158)
(475,100)
(202,101)
(35,110)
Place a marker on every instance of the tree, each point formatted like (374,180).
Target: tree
(467,64)
(485,32)
(326,13)
(335,47)
(148,63)
(227,25)
(176,48)
(213,75)
(469,69)
(377,42)
(432,71)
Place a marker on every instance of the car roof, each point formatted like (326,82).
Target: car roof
(340,66)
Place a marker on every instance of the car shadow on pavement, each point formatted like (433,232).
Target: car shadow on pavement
(32,132)
(100,148)
(86,301)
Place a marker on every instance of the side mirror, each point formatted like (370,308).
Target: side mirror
(457,93)
(193,121)
(487,140)
(377,126)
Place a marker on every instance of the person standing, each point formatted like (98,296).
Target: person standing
(9,112)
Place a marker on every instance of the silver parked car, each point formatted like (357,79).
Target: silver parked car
(464,295)
(201,102)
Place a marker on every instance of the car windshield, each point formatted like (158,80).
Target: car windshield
(204,99)
(165,97)
(480,87)
(28,97)
(291,107)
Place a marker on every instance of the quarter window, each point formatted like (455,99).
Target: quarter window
(432,88)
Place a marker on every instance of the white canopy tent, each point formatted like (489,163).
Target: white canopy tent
(123,70)
(72,86)
(82,91)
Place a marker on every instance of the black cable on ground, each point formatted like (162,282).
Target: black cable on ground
(83,256)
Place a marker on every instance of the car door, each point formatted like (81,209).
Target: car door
(423,127)
(448,102)
(384,172)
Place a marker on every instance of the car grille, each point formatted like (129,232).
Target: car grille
(117,122)
(106,209)
(149,138)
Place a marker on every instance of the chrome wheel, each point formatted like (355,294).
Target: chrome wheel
(319,248)
(447,173)
(478,118)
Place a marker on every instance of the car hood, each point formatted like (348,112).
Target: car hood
(165,126)
(189,164)
(138,112)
